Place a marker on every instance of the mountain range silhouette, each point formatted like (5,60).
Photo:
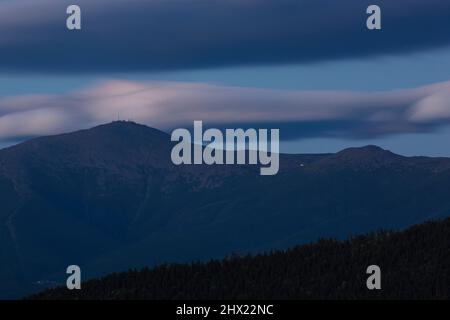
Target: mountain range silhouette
(109,198)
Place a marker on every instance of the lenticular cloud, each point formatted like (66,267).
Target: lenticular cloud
(167,105)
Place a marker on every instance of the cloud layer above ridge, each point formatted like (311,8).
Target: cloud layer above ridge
(168,105)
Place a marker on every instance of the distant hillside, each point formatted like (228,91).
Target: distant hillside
(109,199)
(415,264)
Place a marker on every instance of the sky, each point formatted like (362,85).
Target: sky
(310,68)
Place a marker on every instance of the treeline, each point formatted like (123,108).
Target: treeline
(415,264)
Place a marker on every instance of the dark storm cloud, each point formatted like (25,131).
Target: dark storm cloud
(158,35)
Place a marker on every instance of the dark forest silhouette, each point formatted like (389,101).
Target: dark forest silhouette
(415,264)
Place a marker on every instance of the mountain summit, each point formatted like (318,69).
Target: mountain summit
(370,150)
